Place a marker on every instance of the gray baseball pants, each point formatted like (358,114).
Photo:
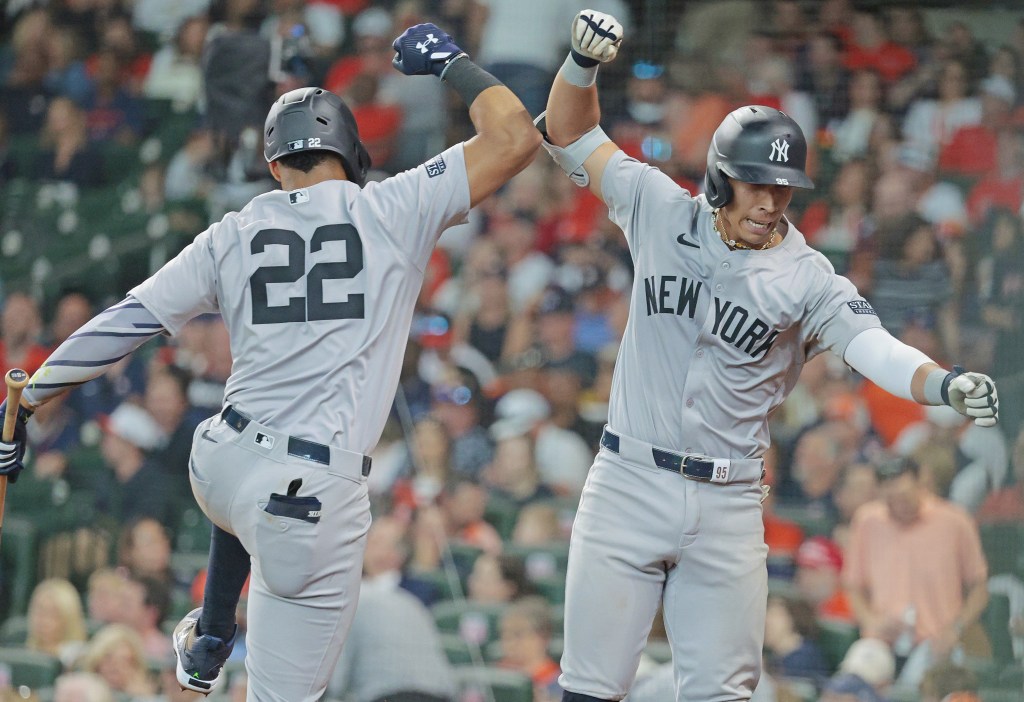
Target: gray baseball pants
(645,536)
(306,564)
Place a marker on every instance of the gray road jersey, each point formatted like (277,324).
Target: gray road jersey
(317,288)
(716,338)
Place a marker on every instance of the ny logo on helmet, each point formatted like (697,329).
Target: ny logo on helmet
(780,151)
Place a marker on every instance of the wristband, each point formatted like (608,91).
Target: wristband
(936,387)
(575,74)
(581,60)
(467,79)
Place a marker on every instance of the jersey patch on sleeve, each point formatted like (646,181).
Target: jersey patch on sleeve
(436,166)
(861,307)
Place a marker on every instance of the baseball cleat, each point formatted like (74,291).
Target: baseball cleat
(199,658)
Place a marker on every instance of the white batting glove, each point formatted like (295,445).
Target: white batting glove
(596,36)
(974,395)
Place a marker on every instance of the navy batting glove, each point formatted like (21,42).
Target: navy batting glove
(12,453)
(423,50)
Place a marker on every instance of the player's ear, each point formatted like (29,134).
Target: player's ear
(275,170)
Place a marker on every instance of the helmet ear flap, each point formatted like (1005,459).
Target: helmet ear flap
(716,187)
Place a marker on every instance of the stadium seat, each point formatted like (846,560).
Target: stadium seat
(543,561)
(1000,694)
(501,513)
(835,638)
(474,622)
(505,685)
(903,694)
(14,631)
(457,650)
(18,552)
(1003,545)
(193,532)
(30,668)
(552,588)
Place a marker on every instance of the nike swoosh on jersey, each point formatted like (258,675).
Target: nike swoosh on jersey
(686,242)
(206,435)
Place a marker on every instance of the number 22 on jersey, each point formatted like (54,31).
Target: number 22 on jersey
(312,307)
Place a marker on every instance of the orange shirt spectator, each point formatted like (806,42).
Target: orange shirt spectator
(913,550)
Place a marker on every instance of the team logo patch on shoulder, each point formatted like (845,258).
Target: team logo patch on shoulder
(861,307)
(436,167)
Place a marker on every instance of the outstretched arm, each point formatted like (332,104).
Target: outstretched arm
(573,111)
(506,139)
(88,353)
(906,372)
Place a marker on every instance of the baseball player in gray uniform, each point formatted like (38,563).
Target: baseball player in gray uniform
(728,303)
(317,283)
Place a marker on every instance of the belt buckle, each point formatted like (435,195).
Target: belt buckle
(719,468)
(692,475)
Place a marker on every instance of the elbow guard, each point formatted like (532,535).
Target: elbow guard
(571,158)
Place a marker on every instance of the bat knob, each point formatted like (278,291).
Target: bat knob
(16,378)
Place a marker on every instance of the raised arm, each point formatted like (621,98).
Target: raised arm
(506,138)
(571,123)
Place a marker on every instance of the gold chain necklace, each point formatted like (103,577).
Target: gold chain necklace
(733,244)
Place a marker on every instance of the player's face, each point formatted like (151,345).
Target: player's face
(755,210)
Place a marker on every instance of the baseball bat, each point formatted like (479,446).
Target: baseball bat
(16,380)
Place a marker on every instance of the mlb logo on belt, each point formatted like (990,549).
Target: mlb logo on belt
(263,441)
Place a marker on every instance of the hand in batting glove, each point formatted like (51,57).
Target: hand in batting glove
(12,453)
(596,37)
(974,395)
(424,49)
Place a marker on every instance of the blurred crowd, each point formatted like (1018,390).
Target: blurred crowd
(915,118)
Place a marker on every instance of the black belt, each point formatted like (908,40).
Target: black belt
(300,448)
(695,467)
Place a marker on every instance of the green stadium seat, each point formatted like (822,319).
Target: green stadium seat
(14,631)
(544,561)
(474,622)
(1003,545)
(1000,694)
(505,685)
(551,588)
(835,639)
(501,513)
(457,650)
(193,532)
(30,668)
(903,694)
(18,550)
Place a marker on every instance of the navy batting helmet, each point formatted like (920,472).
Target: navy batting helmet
(314,119)
(755,144)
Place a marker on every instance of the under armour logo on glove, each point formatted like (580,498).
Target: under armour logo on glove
(424,49)
(423,46)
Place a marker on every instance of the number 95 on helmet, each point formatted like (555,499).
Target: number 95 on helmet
(314,119)
(755,144)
